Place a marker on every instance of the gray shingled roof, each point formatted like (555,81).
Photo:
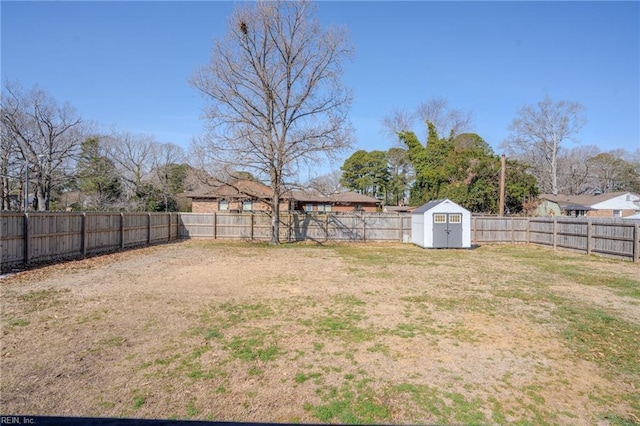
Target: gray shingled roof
(342,197)
(583,200)
(426,207)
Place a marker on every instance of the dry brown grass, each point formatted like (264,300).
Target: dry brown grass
(384,333)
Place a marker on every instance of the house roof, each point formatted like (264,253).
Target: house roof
(341,197)
(576,207)
(398,209)
(353,197)
(237,189)
(579,200)
(250,188)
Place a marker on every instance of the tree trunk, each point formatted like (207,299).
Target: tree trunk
(554,168)
(275,218)
(42,204)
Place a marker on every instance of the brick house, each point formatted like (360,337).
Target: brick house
(250,196)
(236,197)
(313,202)
(613,204)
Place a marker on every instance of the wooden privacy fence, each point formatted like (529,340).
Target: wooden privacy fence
(298,226)
(40,237)
(599,236)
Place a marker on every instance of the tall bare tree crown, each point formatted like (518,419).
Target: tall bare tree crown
(275,99)
(538,133)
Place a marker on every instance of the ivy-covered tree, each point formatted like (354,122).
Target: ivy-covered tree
(429,162)
(464,169)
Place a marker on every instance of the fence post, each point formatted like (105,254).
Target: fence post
(148,229)
(83,238)
(122,230)
(528,237)
(401,227)
(513,231)
(169,227)
(636,242)
(555,230)
(326,227)
(589,237)
(252,226)
(474,229)
(364,228)
(27,237)
(215,225)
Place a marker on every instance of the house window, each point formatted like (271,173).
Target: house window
(223,205)
(439,218)
(308,207)
(247,206)
(324,208)
(617,213)
(455,218)
(359,208)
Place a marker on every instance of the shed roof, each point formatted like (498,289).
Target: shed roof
(432,204)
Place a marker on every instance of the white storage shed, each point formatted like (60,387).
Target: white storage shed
(441,224)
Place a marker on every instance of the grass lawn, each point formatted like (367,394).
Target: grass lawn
(358,333)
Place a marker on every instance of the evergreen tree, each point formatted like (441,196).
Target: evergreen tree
(97,177)
(366,173)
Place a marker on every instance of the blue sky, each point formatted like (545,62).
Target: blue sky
(127,64)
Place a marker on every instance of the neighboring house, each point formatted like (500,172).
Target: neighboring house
(313,202)
(614,204)
(250,196)
(236,197)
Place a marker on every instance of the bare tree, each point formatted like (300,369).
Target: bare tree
(538,133)
(448,121)
(398,120)
(48,136)
(610,171)
(276,100)
(574,175)
(133,157)
(165,157)
(10,167)
(327,184)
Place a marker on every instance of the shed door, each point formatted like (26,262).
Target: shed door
(447,230)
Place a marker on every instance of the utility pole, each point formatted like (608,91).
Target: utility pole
(26,187)
(503,168)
